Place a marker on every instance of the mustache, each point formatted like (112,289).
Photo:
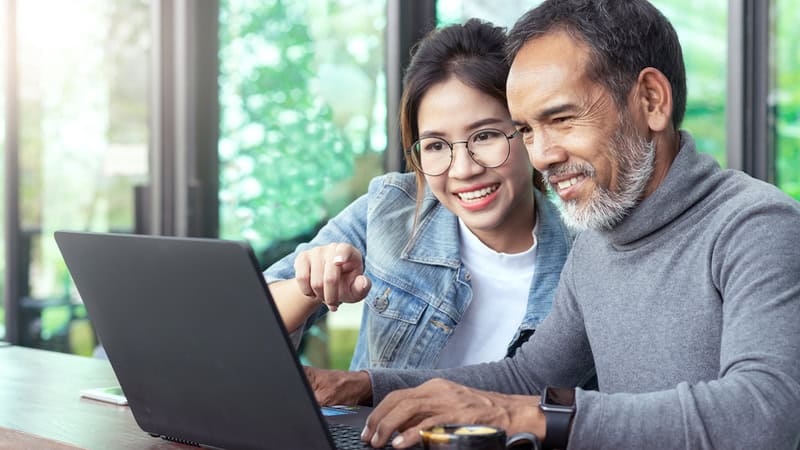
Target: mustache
(584,169)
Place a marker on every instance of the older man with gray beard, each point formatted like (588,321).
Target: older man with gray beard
(683,292)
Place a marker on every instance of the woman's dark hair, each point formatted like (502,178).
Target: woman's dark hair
(474,53)
(623,36)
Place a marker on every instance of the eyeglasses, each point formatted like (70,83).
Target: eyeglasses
(488,147)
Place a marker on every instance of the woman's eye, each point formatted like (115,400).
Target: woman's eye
(434,146)
(484,137)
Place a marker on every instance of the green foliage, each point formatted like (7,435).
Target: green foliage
(280,149)
(786,60)
(702,29)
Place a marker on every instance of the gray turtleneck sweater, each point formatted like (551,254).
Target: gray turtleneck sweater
(689,309)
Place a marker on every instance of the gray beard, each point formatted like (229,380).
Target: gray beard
(635,157)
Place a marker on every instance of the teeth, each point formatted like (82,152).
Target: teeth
(567,183)
(473,195)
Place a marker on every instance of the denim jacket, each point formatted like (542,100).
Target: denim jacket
(420,288)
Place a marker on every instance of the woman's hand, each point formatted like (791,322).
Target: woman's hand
(332,274)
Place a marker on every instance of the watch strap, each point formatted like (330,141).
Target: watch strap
(557,434)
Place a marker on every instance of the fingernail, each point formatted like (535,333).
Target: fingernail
(364,433)
(398,441)
(363,282)
(338,259)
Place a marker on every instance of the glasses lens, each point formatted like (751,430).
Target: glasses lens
(489,148)
(431,155)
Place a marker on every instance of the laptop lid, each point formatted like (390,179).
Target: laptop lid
(195,340)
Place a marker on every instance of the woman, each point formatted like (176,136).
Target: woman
(457,262)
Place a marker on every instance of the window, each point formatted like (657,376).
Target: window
(303,123)
(83,147)
(786,95)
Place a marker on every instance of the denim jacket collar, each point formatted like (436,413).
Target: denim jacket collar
(436,239)
(436,242)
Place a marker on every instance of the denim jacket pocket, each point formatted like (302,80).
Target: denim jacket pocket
(393,317)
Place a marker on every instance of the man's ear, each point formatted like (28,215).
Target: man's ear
(654,98)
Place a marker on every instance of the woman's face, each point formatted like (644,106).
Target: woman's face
(496,204)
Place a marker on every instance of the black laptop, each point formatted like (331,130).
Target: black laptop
(197,344)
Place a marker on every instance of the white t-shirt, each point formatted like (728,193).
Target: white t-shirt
(500,286)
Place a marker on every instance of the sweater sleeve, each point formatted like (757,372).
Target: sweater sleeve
(557,354)
(754,403)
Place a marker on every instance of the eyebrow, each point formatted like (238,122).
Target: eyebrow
(557,109)
(472,126)
(552,111)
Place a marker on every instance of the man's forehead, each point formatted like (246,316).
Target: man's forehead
(554,51)
(549,69)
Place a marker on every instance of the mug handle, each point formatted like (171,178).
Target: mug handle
(523,441)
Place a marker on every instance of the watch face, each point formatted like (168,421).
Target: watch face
(557,408)
(560,396)
(558,399)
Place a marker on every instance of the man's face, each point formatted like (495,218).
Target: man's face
(590,153)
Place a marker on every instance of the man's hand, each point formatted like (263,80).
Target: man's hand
(332,274)
(337,387)
(439,401)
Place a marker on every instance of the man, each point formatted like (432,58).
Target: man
(683,292)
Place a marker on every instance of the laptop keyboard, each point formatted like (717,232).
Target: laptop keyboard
(347,437)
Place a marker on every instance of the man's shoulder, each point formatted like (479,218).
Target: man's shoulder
(739,193)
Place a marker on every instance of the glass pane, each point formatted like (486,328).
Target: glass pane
(786,95)
(701,27)
(83,74)
(303,121)
(3,68)
(458,11)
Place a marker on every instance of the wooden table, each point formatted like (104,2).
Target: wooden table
(40,401)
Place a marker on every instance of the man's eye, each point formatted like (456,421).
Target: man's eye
(525,132)
(562,119)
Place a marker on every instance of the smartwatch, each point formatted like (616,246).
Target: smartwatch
(558,407)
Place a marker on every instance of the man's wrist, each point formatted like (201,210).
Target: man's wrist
(362,384)
(558,407)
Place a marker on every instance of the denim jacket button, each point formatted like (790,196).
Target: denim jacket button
(381,303)
(467,276)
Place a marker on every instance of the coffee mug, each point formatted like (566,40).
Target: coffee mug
(475,437)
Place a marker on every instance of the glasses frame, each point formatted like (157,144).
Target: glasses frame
(415,159)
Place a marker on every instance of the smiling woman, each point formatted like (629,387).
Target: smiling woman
(443,258)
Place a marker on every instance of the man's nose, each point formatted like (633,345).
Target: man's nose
(544,153)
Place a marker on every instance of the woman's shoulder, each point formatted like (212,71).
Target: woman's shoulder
(394,185)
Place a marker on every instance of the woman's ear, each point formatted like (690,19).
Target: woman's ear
(654,98)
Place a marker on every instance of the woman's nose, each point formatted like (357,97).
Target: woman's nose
(463,166)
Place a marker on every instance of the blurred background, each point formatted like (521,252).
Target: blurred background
(258,120)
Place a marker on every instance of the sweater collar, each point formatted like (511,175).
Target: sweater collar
(687,182)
